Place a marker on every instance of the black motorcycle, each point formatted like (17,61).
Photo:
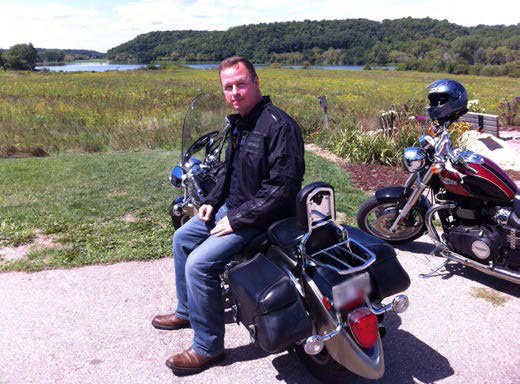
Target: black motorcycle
(308,284)
(194,176)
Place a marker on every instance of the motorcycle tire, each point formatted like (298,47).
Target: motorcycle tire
(322,366)
(413,228)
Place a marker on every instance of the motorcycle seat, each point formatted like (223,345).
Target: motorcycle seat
(255,245)
(285,233)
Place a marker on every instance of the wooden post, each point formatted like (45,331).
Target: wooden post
(323,104)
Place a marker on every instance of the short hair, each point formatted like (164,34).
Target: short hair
(235,60)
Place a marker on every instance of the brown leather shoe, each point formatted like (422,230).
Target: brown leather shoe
(170,322)
(189,362)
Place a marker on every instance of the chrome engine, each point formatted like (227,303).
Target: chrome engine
(482,243)
(502,214)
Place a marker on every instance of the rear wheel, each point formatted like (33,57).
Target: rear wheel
(322,366)
(376,218)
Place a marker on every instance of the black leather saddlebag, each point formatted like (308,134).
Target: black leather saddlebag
(388,274)
(268,304)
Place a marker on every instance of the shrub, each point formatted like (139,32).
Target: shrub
(509,111)
(457,129)
(360,147)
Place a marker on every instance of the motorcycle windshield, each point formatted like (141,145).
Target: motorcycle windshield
(206,113)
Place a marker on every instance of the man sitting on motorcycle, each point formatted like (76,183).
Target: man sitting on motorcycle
(264,172)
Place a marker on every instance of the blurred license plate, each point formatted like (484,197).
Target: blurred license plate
(353,289)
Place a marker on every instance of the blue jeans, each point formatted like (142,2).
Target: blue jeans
(199,258)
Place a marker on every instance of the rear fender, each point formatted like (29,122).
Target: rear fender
(342,347)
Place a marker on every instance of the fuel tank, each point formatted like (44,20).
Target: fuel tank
(476,176)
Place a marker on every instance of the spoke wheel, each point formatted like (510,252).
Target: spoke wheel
(376,218)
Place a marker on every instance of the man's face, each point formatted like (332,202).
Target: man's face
(240,90)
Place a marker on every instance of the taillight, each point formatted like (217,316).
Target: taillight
(364,327)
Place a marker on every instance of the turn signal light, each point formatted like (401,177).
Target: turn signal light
(326,303)
(364,327)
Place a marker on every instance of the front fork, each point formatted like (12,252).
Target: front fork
(414,197)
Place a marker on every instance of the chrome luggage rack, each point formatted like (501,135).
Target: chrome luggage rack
(335,256)
(344,257)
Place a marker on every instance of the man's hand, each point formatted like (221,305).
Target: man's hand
(205,212)
(222,227)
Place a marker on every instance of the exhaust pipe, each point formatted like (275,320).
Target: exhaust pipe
(428,220)
(501,273)
(487,269)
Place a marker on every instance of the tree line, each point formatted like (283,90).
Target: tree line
(411,44)
(26,57)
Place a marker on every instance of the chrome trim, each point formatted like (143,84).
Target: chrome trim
(487,269)
(380,310)
(414,159)
(411,180)
(471,157)
(412,200)
(366,262)
(331,334)
(428,220)
(386,308)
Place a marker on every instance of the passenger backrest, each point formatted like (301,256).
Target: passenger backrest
(315,207)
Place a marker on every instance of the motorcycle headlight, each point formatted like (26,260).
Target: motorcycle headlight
(176,176)
(414,159)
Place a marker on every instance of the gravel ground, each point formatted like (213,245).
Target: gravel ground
(92,325)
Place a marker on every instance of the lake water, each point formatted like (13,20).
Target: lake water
(104,66)
(91,66)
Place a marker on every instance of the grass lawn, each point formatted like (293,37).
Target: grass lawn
(105,208)
(99,112)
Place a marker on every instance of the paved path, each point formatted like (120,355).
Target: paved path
(92,325)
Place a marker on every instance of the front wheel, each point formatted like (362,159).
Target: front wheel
(376,218)
(179,221)
(322,366)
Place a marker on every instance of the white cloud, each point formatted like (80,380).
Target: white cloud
(51,26)
(56,25)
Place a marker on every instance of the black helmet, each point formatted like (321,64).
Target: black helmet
(448,100)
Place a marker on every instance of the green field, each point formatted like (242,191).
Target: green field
(95,112)
(111,206)
(105,208)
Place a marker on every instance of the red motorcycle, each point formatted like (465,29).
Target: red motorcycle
(476,202)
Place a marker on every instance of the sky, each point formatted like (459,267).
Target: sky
(103,24)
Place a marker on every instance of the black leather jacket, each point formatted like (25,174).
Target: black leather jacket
(265,157)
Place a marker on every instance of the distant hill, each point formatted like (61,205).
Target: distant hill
(420,44)
(59,55)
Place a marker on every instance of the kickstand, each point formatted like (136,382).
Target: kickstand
(433,271)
